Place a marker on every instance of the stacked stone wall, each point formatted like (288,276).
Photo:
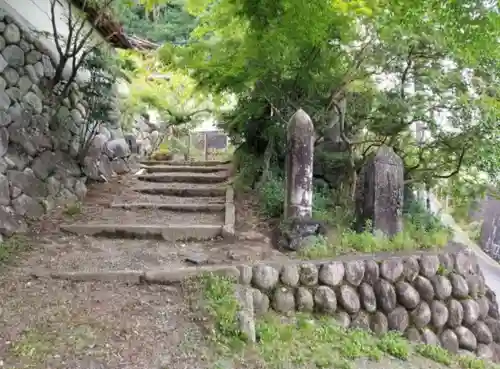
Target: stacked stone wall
(438,299)
(38,144)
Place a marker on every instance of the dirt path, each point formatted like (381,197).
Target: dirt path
(50,324)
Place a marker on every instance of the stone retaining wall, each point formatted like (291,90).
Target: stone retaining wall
(38,168)
(430,298)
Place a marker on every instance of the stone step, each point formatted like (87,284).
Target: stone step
(208,163)
(197,207)
(182,178)
(170,232)
(201,191)
(183,168)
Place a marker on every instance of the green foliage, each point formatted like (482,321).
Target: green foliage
(99,94)
(221,304)
(166,22)
(422,220)
(173,94)
(272,198)
(281,55)
(346,241)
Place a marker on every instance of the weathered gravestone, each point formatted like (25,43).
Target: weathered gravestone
(490,229)
(298,183)
(379,193)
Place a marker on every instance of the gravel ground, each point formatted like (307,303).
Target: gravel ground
(81,253)
(51,324)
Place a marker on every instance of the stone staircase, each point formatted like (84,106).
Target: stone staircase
(176,201)
(168,220)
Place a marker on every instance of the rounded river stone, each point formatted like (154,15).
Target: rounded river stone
(354,272)
(466,339)
(442,287)
(304,299)
(391,269)
(367,296)
(429,265)
(439,314)
(308,274)
(424,288)
(379,324)
(325,300)
(331,274)
(386,295)
(456,313)
(398,319)
(284,300)
(349,299)
(421,316)
(265,277)
(407,295)
(372,272)
(289,275)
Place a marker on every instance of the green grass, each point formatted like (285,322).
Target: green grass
(322,342)
(435,353)
(12,247)
(307,341)
(345,241)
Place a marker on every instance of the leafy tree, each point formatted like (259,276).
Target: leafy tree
(173,94)
(161,22)
(439,62)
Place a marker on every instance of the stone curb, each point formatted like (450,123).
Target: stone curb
(127,276)
(228,230)
(171,232)
(207,163)
(202,207)
(154,276)
(183,168)
(205,191)
(179,177)
(240,271)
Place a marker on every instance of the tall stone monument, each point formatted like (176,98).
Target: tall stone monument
(379,193)
(298,224)
(299,166)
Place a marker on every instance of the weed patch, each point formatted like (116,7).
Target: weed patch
(344,241)
(435,353)
(73,210)
(12,247)
(221,305)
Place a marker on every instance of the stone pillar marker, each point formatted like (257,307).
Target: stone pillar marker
(379,193)
(299,166)
(490,229)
